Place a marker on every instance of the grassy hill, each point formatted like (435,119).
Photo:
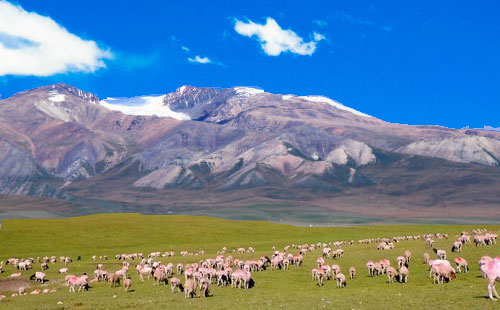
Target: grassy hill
(112,234)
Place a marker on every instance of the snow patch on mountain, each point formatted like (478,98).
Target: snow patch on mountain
(336,104)
(143,105)
(55,96)
(247,91)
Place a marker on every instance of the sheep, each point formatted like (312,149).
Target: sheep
(384,264)
(391,273)
(159,275)
(426,258)
(114,279)
(457,246)
(100,275)
(2,297)
(36,292)
(180,268)
(341,282)
(401,260)
(204,287)
(440,253)
(370,265)
(189,288)
(492,271)
(407,256)
(320,276)
(82,283)
(484,260)
(335,269)
(63,270)
(403,274)
(442,271)
(352,272)
(144,271)
(461,262)
(127,284)
(176,283)
(38,277)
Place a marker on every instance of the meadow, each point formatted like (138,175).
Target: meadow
(111,234)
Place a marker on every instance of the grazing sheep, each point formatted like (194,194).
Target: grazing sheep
(204,287)
(391,273)
(352,272)
(63,270)
(114,279)
(370,265)
(189,288)
(407,255)
(127,284)
(457,246)
(159,275)
(320,276)
(403,274)
(427,257)
(176,283)
(180,268)
(492,271)
(461,262)
(401,260)
(442,271)
(440,253)
(38,277)
(340,280)
(82,283)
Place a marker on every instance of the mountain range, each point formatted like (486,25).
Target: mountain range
(240,153)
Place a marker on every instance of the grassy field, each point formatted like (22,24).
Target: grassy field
(112,234)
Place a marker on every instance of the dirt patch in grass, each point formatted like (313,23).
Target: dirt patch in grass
(13,285)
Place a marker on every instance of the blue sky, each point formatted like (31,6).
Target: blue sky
(432,62)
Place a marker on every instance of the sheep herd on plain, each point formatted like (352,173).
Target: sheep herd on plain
(226,270)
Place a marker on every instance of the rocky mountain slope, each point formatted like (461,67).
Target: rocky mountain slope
(58,141)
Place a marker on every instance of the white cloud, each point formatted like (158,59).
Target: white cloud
(200,60)
(318,37)
(275,40)
(184,48)
(31,44)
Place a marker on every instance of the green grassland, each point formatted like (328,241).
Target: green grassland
(111,234)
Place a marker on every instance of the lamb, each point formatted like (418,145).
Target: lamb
(176,283)
(44,266)
(492,271)
(461,262)
(341,282)
(352,272)
(38,277)
(63,270)
(403,274)
(127,284)
(189,288)
(391,273)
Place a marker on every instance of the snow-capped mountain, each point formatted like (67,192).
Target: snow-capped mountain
(59,141)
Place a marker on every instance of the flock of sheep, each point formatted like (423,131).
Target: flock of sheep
(226,270)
